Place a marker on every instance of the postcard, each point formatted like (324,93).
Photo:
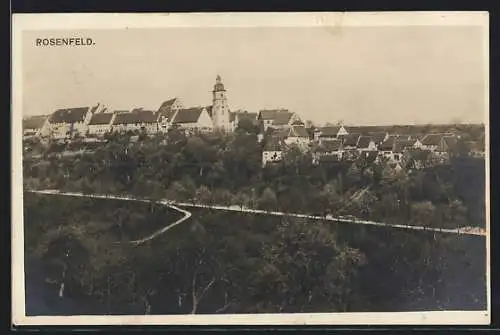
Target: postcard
(250,169)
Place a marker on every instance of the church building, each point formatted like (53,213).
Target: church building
(220,109)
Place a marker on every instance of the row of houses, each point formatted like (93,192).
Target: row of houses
(98,120)
(337,143)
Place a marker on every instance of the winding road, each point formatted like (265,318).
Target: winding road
(187,215)
(157,233)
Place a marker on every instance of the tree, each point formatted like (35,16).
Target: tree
(422,214)
(306,270)
(203,195)
(268,200)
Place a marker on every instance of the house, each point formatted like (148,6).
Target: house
(70,122)
(272,151)
(366,143)
(415,159)
(297,134)
(379,137)
(276,118)
(237,116)
(191,119)
(328,148)
(166,113)
(386,148)
(100,124)
(35,126)
(351,141)
(330,133)
(433,141)
(135,120)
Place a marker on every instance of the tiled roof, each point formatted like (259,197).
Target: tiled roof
(364,142)
(242,115)
(69,115)
(432,139)
(298,131)
(401,145)
(388,144)
(167,104)
(270,114)
(378,137)
(34,122)
(329,146)
(282,118)
(101,118)
(329,131)
(165,109)
(351,140)
(188,115)
(139,116)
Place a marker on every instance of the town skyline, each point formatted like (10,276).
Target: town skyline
(446,86)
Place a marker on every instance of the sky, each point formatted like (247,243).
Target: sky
(358,75)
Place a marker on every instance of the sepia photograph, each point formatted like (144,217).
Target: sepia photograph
(257,168)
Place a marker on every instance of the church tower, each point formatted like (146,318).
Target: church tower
(220,109)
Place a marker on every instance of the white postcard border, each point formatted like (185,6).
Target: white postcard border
(331,21)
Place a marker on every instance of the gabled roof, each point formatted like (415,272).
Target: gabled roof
(282,118)
(298,131)
(188,115)
(34,122)
(329,131)
(351,140)
(388,144)
(378,137)
(165,109)
(401,145)
(364,142)
(167,105)
(272,144)
(270,114)
(432,139)
(329,146)
(242,115)
(101,118)
(69,115)
(93,109)
(137,116)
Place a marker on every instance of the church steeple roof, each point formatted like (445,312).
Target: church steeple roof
(219,86)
